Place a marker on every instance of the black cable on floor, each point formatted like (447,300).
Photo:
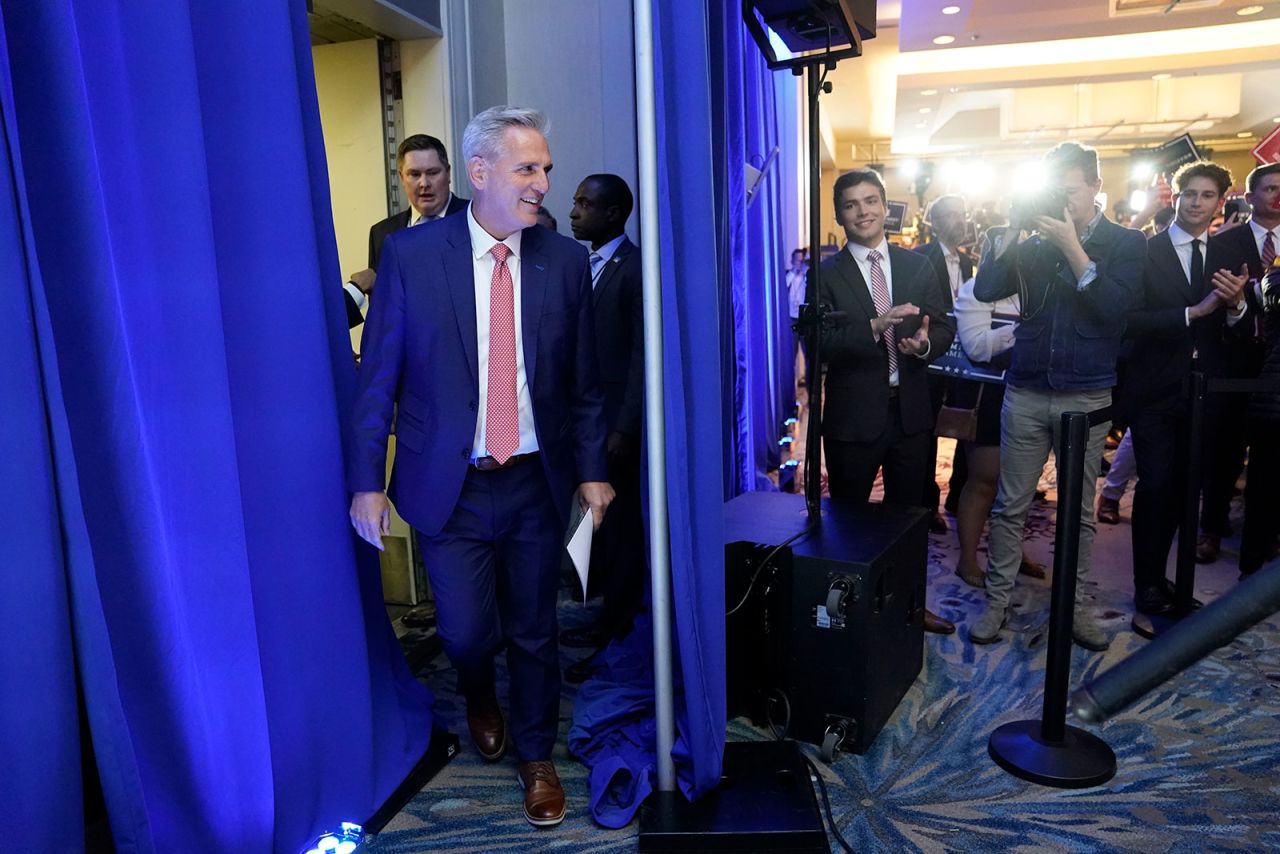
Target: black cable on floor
(826,805)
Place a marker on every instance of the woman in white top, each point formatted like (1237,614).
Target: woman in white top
(985,331)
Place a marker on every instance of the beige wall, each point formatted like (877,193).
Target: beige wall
(347,88)
(424,82)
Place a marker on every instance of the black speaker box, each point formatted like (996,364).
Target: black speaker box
(825,635)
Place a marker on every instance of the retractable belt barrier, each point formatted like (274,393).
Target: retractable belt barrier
(1048,751)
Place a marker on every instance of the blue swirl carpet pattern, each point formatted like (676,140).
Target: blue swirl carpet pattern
(1198,758)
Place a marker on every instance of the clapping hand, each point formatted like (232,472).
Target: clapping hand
(918,344)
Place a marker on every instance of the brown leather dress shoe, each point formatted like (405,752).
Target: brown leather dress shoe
(937,625)
(488,728)
(543,794)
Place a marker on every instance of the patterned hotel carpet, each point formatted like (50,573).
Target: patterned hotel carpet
(1198,758)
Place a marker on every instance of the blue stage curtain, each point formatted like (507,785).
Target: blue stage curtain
(758,111)
(613,716)
(176,381)
(40,787)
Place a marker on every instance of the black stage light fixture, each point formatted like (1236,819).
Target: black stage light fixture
(793,33)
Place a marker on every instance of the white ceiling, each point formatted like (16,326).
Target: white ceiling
(1026,73)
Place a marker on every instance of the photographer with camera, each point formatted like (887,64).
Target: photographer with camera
(1077,275)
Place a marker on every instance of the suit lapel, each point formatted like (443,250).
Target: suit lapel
(533,288)
(1169,268)
(459,273)
(610,271)
(852,276)
(902,285)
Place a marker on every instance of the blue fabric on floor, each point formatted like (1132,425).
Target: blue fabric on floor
(181,298)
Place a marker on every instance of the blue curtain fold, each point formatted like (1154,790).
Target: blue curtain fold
(39,726)
(613,715)
(243,686)
(757,112)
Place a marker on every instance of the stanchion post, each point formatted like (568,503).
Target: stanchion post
(1048,751)
(1066,554)
(1185,577)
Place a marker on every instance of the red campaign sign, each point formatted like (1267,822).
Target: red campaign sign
(1268,151)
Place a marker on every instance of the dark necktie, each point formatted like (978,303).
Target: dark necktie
(1197,267)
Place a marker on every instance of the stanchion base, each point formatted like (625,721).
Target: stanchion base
(1152,625)
(1081,760)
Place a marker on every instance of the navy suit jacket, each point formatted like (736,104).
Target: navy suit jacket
(377,234)
(1243,355)
(857,402)
(380,231)
(420,355)
(619,311)
(1160,344)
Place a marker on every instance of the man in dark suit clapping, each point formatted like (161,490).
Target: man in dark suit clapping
(1189,297)
(878,413)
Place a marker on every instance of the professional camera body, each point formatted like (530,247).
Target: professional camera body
(1048,202)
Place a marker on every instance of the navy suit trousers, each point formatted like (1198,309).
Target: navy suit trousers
(494,571)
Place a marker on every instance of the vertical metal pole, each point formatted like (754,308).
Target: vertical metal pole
(655,412)
(813,358)
(1072,446)
(1184,585)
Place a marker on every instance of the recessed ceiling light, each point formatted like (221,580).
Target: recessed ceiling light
(1164,75)
(922,124)
(926,110)
(1244,133)
(955,10)
(928,92)
(1248,10)
(954,89)
(1276,120)
(943,39)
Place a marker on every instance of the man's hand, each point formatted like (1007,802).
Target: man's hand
(371,516)
(1227,287)
(918,344)
(595,495)
(621,445)
(364,279)
(1205,307)
(882,324)
(1062,234)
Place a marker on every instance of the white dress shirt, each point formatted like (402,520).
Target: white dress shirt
(1182,247)
(482,268)
(953,269)
(416,218)
(860,253)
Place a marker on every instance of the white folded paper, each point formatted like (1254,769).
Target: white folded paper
(578,542)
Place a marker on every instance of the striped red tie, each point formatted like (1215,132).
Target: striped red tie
(502,419)
(880,296)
